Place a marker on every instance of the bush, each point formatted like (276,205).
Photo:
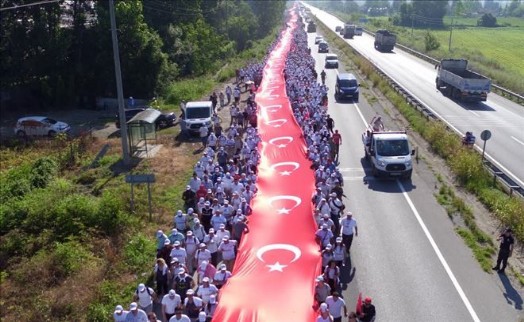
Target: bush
(431,41)
(139,252)
(42,172)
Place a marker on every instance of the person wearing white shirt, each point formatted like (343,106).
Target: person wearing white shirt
(212,242)
(170,302)
(199,169)
(179,317)
(206,290)
(179,253)
(348,230)
(202,254)
(222,232)
(144,296)
(212,140)
(221,276)
(217,220)
(192,305)
(324,236)
(335,305)
(180,220)
(227,249)
(135,314)
(119,315)
(195,182)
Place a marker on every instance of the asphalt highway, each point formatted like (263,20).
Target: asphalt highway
(407,256)
(504,118)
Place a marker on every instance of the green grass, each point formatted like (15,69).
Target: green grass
(482,254)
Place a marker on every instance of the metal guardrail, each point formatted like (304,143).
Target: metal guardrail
(508,183)
(504,91)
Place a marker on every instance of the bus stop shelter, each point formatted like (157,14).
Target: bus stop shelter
(141,131)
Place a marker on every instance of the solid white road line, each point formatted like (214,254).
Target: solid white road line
(441,258)
(474,113)
(519,141)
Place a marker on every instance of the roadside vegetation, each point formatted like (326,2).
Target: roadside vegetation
(70,246)
(465,164)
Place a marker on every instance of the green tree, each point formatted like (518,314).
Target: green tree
(429,13)
(430,41)
(487,20)
(269,13)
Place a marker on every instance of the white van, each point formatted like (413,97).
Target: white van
(194,115)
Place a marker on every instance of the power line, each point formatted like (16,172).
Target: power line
(28,5)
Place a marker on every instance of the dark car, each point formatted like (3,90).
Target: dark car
(163,121)
(347,86)
(323,47)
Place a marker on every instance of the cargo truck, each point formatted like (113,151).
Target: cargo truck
(349,31)
(311,27)
(384,40)
(456,81)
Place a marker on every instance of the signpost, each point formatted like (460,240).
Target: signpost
(141,178)
(485,135)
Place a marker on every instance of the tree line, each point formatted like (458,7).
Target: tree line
(60,53)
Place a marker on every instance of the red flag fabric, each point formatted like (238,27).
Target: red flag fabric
(358,309)
(277,262)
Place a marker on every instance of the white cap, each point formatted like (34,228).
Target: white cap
(133,306)
(172,292)
(323,307)
(119,309)
(141,287)
(202,317)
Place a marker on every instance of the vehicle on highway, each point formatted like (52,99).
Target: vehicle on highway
(385,40)
(318,39)
(346,86)
(349,31)
(40,126)
(163,121)
(338,28)
(311,27)
(388,152)
(331,61)
(358,31)
(194,115)
(323,47)
(455,80)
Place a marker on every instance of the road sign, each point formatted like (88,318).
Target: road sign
(140,178)
(485,135)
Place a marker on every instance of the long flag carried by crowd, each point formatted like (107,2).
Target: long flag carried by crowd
(278,260)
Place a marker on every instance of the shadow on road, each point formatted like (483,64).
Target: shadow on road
(511,295)
(347,273)
(384,184)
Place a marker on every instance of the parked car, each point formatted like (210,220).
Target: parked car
(323,47)
(40,126)
(331,61)
(163,121)
(318,39)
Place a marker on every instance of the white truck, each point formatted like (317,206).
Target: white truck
(455,80)
(388,151)
(194,115)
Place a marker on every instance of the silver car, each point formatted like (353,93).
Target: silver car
(40,126)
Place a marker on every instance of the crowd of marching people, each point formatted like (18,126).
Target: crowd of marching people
(195,257)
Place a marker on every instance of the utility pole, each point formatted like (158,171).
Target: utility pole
(119,90)
(450,33)
(412,23)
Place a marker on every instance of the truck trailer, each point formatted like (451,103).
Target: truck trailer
(384,40)
(456,81)
(349,31)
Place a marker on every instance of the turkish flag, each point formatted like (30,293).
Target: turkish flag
(278,260)
(358,309)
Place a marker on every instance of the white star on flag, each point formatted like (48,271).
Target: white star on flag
(276,267)
(280,146)
(285,173)
(283,211)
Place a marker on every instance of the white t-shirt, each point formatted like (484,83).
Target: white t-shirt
(228,249)
(171,304)
(144,299)
(121,317)
(179,253)
(212,243)
(319,319)
(197,300)
(348,225)
(205,292)
(183,318)
(335,307)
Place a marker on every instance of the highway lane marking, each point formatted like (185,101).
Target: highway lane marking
(474,113)
(437,251)
(519,141)
(441,258)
